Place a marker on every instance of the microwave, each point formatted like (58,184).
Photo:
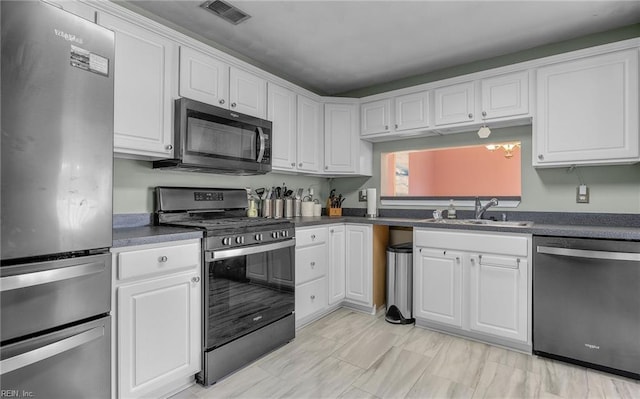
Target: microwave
(216,140)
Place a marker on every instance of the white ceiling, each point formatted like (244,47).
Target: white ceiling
(336,46)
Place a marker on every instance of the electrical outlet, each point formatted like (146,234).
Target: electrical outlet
(362,196)
(582,194)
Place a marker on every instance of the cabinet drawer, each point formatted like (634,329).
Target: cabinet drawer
(160,260)
(313,236)
(311,263)
(311,297)
(473,242)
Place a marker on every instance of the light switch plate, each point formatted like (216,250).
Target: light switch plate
(582,194)
(362,195)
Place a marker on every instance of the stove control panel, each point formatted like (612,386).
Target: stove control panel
(231,240)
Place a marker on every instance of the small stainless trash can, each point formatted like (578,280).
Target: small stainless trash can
(400,284)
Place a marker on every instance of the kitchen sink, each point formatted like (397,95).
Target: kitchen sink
(481,222)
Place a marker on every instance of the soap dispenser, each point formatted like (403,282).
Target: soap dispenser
(451,211)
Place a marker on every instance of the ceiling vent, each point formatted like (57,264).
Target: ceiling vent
(226,11)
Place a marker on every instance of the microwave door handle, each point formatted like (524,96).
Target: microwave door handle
(261,137)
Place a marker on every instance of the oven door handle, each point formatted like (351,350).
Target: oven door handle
(262,144)
(255,249)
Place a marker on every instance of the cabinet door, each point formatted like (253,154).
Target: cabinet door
(247,93)
(203,78)
(309,146)
(412,111)
(281,111)
(587,111)
(375,117)
(341,151)
(337,259)
(359,265)
(498,300)
(437,287)
(506,95)
(143,100)
(158,333)
(454,104)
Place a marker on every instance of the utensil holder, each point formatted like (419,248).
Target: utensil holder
(335,211)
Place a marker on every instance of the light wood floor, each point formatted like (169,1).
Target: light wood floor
(353,355)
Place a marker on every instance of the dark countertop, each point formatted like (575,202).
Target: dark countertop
(124,235)
(140,235)
(582,231)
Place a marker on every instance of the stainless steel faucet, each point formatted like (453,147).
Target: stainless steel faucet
(480,210)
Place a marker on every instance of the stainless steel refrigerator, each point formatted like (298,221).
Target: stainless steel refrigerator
(56,203)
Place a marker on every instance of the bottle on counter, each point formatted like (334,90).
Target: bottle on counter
(451,211)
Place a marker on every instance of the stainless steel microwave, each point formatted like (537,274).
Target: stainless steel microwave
(217,140)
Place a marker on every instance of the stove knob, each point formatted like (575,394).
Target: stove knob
(274,234)
(239,240)
(258,237)
(283,233)
(226,241)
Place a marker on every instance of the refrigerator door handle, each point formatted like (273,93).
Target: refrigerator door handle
(48,276)
(47,351)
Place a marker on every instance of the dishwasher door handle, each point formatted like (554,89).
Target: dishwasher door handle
(591,254)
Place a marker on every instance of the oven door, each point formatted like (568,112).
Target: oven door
(247,288)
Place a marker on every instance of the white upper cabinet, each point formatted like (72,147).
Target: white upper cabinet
(505,95)
(247,93)
(454,104)
(281,111)
(203,78)
(145,66)
(412,111)
(210,80)
(375,117)
(309,143)
(587,111)
(341,153)
(75,7)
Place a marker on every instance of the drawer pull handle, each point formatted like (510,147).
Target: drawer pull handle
(196,279)
(163,259)
(313,264)
(313,297)
(313,236)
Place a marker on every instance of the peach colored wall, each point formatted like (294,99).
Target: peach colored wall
(431,171)
(388,175)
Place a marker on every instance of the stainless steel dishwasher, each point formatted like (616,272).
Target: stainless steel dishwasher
(586,302)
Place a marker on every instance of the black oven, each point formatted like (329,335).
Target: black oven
(248,288)
(249,300)
(217,140)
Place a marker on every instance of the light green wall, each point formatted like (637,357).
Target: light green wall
(596,39)
(613,189)
(133,183)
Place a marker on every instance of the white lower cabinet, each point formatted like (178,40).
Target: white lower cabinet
(475,284)
(333,266)
(359,269)
(157,334)
(498,295)
(311,273)
(439,275)
(337,263)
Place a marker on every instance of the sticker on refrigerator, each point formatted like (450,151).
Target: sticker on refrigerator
(84,59)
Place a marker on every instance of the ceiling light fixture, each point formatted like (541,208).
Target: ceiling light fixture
(507,147)
(484,131)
